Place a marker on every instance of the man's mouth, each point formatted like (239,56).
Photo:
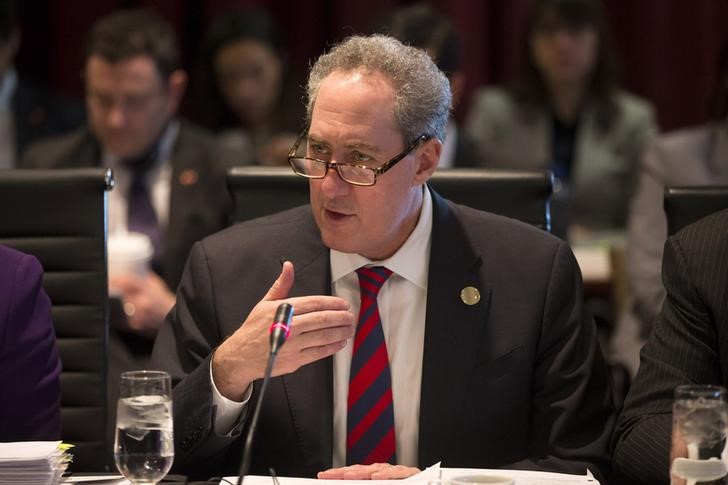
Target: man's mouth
(336,215)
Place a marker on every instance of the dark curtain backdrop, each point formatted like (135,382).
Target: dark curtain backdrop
(668,48)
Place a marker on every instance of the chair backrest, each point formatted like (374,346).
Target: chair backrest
(59,216)
(523,195)
(685,205)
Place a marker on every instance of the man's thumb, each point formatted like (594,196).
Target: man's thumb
(282,285)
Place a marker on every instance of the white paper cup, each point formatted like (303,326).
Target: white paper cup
(129,253)
(482,479)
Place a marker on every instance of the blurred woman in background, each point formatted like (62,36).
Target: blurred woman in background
(567,114)
(241,80)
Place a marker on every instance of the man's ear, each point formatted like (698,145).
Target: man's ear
(176,86)
(428,158)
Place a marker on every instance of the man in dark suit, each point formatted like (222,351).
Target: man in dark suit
(485,357)
(30,401)
(688,345)
(133,88)
(170,184)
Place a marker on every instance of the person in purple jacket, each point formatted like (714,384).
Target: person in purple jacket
(30,397)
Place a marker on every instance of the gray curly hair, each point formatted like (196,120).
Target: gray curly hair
(423,97)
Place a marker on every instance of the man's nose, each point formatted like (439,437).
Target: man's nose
(116,116)
(333,185)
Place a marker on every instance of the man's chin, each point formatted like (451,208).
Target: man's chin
(337,242)
(122,152)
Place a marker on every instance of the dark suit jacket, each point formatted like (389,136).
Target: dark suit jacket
(516,380)
(689,345)
(196,209)
(39,114)
(30,400)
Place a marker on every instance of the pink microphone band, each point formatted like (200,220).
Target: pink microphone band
(280,325)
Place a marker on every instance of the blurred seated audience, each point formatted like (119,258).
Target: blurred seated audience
(419,25)
(27,112)
(30,401)
(689,345)
(169,185)
(242,88)
(568,114)
(692,156)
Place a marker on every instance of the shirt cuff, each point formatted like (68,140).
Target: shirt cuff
(226,411)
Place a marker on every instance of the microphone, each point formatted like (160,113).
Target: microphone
(279,330)
(281,327)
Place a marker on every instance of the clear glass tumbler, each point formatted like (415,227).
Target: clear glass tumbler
(144,443)
(699,426)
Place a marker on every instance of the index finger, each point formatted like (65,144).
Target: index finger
(317,303)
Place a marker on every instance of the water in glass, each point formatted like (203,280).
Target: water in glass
(700,423)
(144,445)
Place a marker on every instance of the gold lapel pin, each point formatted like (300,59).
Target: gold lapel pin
(470,295)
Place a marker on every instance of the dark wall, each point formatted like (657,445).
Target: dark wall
(669,48)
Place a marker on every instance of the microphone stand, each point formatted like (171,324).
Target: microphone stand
(278,335)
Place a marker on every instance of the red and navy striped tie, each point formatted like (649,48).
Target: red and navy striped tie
(370,417)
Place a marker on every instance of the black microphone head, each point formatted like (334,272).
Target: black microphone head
(281,326)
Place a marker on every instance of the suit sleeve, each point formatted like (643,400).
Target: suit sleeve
(681,350)
(184,348)
(30,406)
(572,415)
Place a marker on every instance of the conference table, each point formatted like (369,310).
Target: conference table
(434,475)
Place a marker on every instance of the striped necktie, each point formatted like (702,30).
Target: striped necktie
(370,415)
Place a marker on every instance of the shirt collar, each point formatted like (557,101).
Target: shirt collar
(412,259)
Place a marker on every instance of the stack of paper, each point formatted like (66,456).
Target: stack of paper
(36,462)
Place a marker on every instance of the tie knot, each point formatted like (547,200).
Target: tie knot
(372,278)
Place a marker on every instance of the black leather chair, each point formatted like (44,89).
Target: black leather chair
(59,216)
(685,205)
(523,195)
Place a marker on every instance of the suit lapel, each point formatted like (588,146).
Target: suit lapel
(453,333)
(309,390)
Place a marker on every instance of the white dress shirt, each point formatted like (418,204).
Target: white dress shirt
(159,179)
(402,302)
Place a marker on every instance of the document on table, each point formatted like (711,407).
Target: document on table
(521,477)
(36,462)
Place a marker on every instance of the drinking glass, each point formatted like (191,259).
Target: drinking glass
(699,426)
(144,444)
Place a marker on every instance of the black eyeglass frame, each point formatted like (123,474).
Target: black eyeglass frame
(377,171)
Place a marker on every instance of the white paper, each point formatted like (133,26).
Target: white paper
(595,263)
(32,462)
(27,450)
(97,480)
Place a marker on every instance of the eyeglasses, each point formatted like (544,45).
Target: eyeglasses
(355,174)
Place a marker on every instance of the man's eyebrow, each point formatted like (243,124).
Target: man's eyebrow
(314,139)
(361,145)
(355,145)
